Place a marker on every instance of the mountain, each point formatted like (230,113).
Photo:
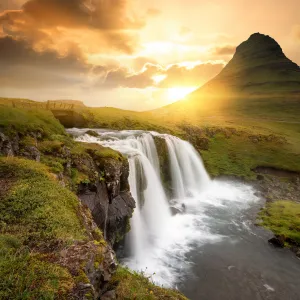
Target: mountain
(259,66)
(258,70)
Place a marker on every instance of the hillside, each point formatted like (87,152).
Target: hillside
(258,81)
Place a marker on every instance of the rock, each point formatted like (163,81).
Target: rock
(260,177)
(31,152)
(92,133)
(119,213)
(97,200)
(5,145)
(111,216)
(175,211)
(110,295)
(277,241)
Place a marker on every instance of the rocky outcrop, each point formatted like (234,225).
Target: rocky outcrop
(110,201)
(6,147)
(12,146)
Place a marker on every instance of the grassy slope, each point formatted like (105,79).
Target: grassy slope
(132,285)
(283,218)
(36,213)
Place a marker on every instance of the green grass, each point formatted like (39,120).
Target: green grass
(133,285)
(238,154)
(37,216)
(37,208)
(14,120)
(25,276)
(283,218)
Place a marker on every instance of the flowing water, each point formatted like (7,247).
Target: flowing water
(211,250)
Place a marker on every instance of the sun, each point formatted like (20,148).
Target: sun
(178,93)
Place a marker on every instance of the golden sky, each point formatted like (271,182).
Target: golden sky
(132,54)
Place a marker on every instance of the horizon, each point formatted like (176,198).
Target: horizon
(147,60)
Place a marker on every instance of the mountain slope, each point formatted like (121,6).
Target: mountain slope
(258,76)
(259,66)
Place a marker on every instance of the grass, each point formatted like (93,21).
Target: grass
(37,216)
(132,285)
(25,276)
(240,153)
(14,120)
(283,218)
(36,208)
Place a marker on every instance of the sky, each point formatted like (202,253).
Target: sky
(130,54)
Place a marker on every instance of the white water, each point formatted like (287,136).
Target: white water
(159,243)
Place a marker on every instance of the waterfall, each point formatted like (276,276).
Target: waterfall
(152,214)
(189,177)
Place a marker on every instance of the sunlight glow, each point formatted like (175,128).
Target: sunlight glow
(159,78)
(178,93)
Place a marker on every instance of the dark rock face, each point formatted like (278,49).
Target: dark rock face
(119,213)
(110,200)
(277,241)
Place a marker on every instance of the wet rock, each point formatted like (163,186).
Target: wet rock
(277,241)
(92,133)
(119,213)
(175,211)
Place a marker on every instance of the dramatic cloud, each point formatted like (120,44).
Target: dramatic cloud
(224,50)
(156,75)
(178,75)
(23,67)
(105,24)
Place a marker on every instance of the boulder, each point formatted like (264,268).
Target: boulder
(277,241)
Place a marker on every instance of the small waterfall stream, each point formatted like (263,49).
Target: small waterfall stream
(159,242)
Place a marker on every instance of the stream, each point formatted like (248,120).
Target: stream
(211,248)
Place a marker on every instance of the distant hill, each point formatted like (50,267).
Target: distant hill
(259,70)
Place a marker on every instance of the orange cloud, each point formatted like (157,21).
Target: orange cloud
(172,76)
(56,24)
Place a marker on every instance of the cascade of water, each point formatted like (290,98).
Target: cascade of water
(152,212)
(188,173)
(176,174)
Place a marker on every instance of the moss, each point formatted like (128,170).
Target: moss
(27,141)
(25,276)
(79,177)
(81,277)
(50,147)
(133,285)
(283,218)
(55,164)
(89,296)
(37,208)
